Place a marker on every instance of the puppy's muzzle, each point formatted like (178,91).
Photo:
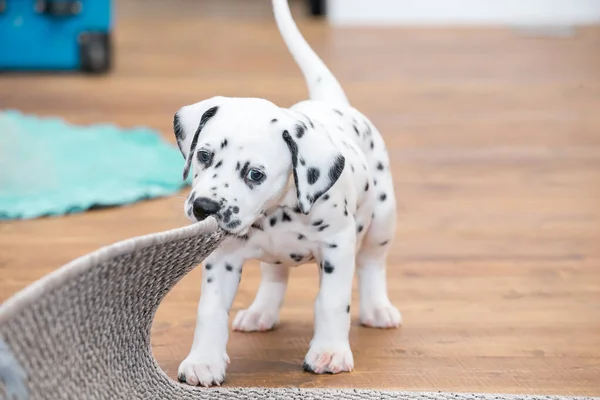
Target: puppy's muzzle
(204,207)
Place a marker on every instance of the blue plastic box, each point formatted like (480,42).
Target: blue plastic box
(55,35)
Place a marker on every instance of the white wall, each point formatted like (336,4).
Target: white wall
(463,12)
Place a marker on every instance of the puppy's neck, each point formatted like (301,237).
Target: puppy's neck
(287,198)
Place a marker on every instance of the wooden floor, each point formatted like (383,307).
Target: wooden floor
(495,145)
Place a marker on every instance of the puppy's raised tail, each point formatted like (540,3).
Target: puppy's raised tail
(322,85)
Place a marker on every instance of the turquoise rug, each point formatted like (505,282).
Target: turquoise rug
(50,167)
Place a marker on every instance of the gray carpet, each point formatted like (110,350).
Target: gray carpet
(83,332)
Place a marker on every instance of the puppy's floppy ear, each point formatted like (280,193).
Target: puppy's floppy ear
(316,163)
(188,123)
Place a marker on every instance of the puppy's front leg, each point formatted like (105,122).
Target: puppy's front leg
(207,361)
(330,349)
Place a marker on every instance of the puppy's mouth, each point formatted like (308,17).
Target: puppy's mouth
(229,219)
(236,227)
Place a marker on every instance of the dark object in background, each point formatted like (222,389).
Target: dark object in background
(56,35)
(317,8)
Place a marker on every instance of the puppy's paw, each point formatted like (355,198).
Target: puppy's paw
(203,369)
(329,358)
(380,316)
(255,320)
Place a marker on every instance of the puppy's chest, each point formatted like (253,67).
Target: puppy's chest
(284,238)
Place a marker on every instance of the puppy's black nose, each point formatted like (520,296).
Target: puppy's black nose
(204,207)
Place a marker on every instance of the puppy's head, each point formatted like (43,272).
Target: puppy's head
(242,152)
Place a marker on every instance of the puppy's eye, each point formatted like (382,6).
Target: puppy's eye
(255,176)
(204,156)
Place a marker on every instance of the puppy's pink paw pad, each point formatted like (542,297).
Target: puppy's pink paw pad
(251,321)
(203,369)
(382,316)
(329,359)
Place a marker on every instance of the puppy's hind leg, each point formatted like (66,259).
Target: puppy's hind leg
(263,314)
(376,310)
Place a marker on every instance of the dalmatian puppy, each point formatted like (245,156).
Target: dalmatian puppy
(290,186)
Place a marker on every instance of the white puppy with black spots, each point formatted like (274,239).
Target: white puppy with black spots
(290,186)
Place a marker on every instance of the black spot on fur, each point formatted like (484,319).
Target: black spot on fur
(323,227)
(356,130)
(372,145)
(226,185)
(234,224)
(301,237)
(244,170)
(228,267)
(300,131)
(215,176)
(348,309)
(313,175)
(192,196)
(227,215)
(181,377)
(293,147)
(338,112)
(178,129)
(317,222)
(213,188)
(236,209)
(332,246)
(277,263)
(203,120)
(359,228)
(384,243)
(209,280)
(285,217)
(274,120)
(346,211)
(217,165)
(380,166)
(296,257)
(337,168)
(208,267)
(366,186)
(382,196)
(327,267)
(326,197)
(238,166)
(302,162)
(273,221)
(297,210)
(374,182)
(224,144)
(310,122)
(352,168)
